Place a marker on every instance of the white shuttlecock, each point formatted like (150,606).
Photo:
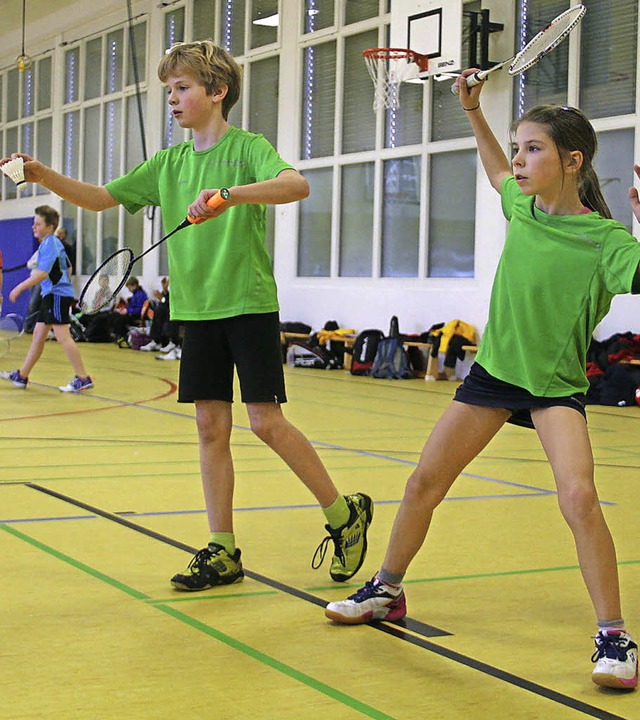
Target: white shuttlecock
(14,169)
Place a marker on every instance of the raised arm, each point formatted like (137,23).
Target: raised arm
(495,162)
(85,195)
(634,197)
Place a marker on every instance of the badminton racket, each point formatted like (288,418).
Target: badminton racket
(11,327)
(110,277)
(542,44)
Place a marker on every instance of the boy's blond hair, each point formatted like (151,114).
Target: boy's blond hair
(210,65)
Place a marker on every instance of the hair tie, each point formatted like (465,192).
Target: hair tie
(471,109)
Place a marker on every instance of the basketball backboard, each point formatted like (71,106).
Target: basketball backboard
(432,28)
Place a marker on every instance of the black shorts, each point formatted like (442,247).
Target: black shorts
(54,310)
(481,388)
(212,348)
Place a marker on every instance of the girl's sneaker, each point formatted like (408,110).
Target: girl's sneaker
(374,601)
(616,659)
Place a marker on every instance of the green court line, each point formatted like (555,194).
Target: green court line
(75,563)
(311,682)
(475,576)
(190,597)
(231,642)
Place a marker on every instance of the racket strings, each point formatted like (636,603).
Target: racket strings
(106,282)
(11,326)
(546,40)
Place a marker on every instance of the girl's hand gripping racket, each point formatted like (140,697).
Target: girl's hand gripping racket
(542,44)
(110,277)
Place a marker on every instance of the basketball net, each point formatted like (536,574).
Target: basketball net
(388,67)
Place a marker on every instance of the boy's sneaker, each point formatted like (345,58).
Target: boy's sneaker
(15,378)
(374,601)
(616,659)
(350,540)
(209,567)
(168,347)
(77,385)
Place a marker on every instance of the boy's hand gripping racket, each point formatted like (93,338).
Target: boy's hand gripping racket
(542,44)
(110,277)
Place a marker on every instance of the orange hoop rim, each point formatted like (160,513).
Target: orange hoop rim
(389,53)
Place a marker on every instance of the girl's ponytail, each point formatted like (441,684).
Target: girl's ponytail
(590,192)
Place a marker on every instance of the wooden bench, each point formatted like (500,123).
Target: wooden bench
(287,337)
(433,367)
(348,340)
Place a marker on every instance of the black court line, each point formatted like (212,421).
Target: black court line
(407,623)
(418,631)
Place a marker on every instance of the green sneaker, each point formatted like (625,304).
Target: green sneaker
(350,540)
(209,567)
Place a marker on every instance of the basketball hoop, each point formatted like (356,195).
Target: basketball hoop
(389,67)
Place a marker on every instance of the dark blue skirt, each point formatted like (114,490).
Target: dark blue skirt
(481,388)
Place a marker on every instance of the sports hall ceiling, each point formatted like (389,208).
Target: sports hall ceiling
(11,13)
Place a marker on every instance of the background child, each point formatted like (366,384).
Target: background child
(532,360)
(224,292)
(131,312)
(52,274)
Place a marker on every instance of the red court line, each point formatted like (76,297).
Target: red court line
(172,389)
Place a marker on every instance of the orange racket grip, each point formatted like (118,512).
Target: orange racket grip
(213,202)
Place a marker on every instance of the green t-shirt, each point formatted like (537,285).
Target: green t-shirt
(219,268)
(555,281)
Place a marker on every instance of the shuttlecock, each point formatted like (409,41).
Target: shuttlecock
(14,169)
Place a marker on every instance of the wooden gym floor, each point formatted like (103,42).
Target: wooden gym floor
(101,504)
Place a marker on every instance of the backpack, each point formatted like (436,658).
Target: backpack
(618,386)
(392,361)
(295,327)
(364,351)
(304,354)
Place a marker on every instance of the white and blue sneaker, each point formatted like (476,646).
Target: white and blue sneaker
(15,378)
(77,384)
(374,601)
(616,659)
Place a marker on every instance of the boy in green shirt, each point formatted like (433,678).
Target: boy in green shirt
(224,293)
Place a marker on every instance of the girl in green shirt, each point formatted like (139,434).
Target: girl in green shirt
(564,260)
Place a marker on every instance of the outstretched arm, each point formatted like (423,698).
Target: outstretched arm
(634,197)
(495,162)
(85,195)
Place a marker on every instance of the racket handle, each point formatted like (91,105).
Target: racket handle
(477,77)
(472,80)
(213,202)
